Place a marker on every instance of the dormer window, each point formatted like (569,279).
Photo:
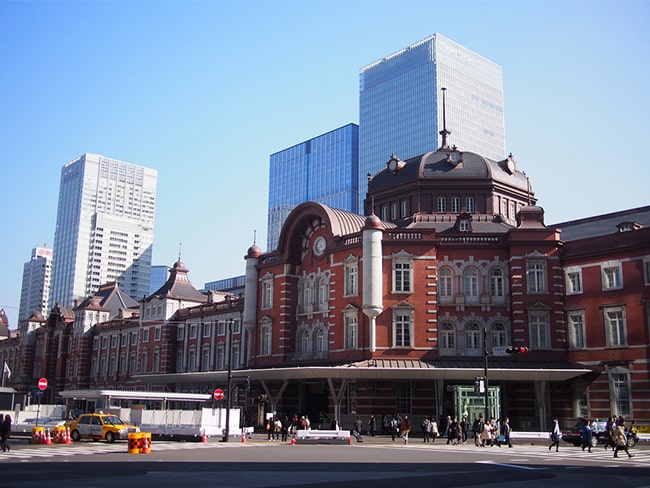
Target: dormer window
(464,223)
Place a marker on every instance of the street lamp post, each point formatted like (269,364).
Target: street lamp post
(485,374)
(228,386)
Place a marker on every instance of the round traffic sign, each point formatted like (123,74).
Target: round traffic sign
(218,394)
(42,384)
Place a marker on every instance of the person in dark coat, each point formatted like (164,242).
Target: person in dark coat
(5,432)
(587,435)
(358,427)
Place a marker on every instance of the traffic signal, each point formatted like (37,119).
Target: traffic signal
(516,349)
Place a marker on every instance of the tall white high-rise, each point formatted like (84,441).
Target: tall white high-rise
(104,228)
(35,292)
(400,104)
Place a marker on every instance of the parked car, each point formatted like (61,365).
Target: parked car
(100,426)
(44,422)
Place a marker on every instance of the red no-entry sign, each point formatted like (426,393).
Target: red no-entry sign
(218,394)
(42,384)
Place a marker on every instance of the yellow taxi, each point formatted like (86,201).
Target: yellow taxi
(99,426)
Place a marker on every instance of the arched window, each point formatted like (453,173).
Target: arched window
(496,283)
(306,294)
(473,337)
(447,337)
(470,283)
(305,342)
(499,336)
(321,342)
(445,283)
(323,294)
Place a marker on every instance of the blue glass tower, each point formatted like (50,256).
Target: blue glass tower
(324,169)
(400,104)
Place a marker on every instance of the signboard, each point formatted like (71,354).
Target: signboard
(499,350)
(42,384)
(218,394)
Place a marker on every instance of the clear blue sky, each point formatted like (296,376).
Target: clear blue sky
(205,91)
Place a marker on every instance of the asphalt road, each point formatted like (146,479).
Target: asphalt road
(376,463)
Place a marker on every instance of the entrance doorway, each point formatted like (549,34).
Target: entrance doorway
(470,403)
(314,402)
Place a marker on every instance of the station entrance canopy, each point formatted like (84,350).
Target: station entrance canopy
(389,369)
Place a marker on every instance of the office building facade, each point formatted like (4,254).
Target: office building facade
(323,169)
(104,230)
(35,291)
(401,109)
(159,274)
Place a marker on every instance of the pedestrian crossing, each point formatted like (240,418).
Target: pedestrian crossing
(522,453)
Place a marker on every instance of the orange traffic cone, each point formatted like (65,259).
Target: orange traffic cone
(350,441)
(204,438)
(67,439)
(48,439)
(293,440)
(243,436)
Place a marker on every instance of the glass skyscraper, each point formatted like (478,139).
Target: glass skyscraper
(35,291)
(104,228)
(400,104)
(324,169)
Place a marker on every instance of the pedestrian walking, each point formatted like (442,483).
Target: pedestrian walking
(556,435)
(372,425)
(477,429)
(5,432)
(358,427)
(505,431)
(433,426)
(587,435)
(395,426)
(425,428)
(611,431)
(620,439)
(406,428)
(463,429)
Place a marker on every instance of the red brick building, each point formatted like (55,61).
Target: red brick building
(398,311)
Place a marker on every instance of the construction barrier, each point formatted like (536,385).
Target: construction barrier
(134,443)
(38,435)
(59,434)
(139,443)
(145,447)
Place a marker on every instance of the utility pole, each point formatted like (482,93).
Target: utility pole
(229,387)
(485,374)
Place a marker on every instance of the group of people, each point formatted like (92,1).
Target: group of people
(616,437)
(279,429)
(490,432)
(5,432)
(397,426)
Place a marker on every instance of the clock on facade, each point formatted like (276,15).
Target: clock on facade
(319,245)
(454,157)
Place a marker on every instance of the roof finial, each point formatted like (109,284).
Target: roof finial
(180,246)
(444,132)
(254,237)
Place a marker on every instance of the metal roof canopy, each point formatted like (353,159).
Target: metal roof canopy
(136,395)
(366,370)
